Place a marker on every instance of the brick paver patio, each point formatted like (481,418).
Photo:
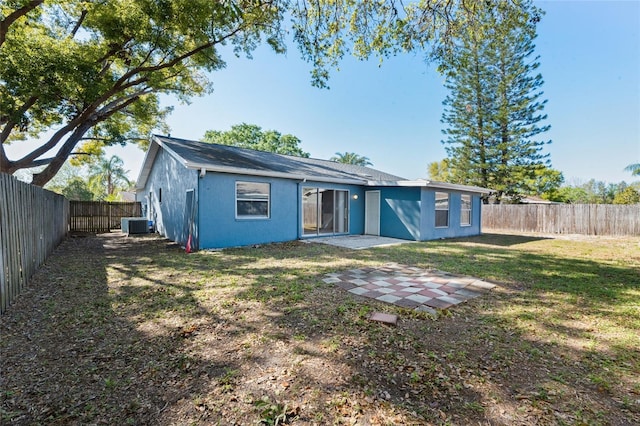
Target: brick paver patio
(410,287)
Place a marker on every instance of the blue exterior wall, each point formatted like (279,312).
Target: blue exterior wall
(173,180)
(409,213)
(405,212)
(400,212)
(219,227)
(430,232)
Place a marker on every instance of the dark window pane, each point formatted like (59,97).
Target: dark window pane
(442,218)
(253,208)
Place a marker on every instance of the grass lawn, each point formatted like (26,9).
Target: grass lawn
(116,330)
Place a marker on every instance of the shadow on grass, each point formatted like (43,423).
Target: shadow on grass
(553,292)
(507,240)
(601,283)
(140,332)
(73,350)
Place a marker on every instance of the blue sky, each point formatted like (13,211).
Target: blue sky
(590,61)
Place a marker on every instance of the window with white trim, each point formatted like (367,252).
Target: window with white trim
(465,210)
(253,200)
(442,209)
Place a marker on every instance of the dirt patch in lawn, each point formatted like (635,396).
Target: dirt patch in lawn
(116,330)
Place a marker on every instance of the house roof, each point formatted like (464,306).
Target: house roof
(209,157)
(230,159)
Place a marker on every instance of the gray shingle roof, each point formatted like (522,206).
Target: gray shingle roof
(233,159)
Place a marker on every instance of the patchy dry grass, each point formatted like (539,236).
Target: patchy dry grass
(118,330)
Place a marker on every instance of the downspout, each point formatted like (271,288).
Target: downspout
(196,201)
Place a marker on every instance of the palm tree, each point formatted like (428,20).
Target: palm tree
(634,169)
(351,158)
(107,174)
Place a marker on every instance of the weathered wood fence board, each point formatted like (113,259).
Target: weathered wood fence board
(100,216)
(586,219)
(33,221)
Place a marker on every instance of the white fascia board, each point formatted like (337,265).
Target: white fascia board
(457,187)
(384,182)
(432,184)
(267,173)
(149,157)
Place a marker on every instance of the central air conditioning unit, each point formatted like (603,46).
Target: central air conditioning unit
(134,225)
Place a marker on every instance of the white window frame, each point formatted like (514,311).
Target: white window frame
(268,201)
(463,209)
(436,209)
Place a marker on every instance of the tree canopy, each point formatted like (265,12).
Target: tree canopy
(494,111)
(634,169)
(351,158)
(78,70)
(253,137)
(628,195)
(440,171)
(106,176)
(597,192)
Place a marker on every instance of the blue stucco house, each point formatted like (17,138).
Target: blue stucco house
(216,196)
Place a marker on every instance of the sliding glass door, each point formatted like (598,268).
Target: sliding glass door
(325,211)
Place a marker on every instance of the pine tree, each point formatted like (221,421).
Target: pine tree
(494,112)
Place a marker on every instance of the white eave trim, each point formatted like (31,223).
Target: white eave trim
(147,163)
(432,184)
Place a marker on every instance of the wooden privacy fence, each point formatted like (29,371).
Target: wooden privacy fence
(101,216)
(33,221)
(586,219)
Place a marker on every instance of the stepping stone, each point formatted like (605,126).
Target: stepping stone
(466,293)
(431,285)
(437,303)
(389,298)
(418,298)
(345,285)
(450,299)
(482,285)
(384,318)
(408,303)
(427,309)
(401,294)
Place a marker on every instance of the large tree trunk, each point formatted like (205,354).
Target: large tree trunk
(41,179)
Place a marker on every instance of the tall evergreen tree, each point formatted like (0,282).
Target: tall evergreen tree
(494,110)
